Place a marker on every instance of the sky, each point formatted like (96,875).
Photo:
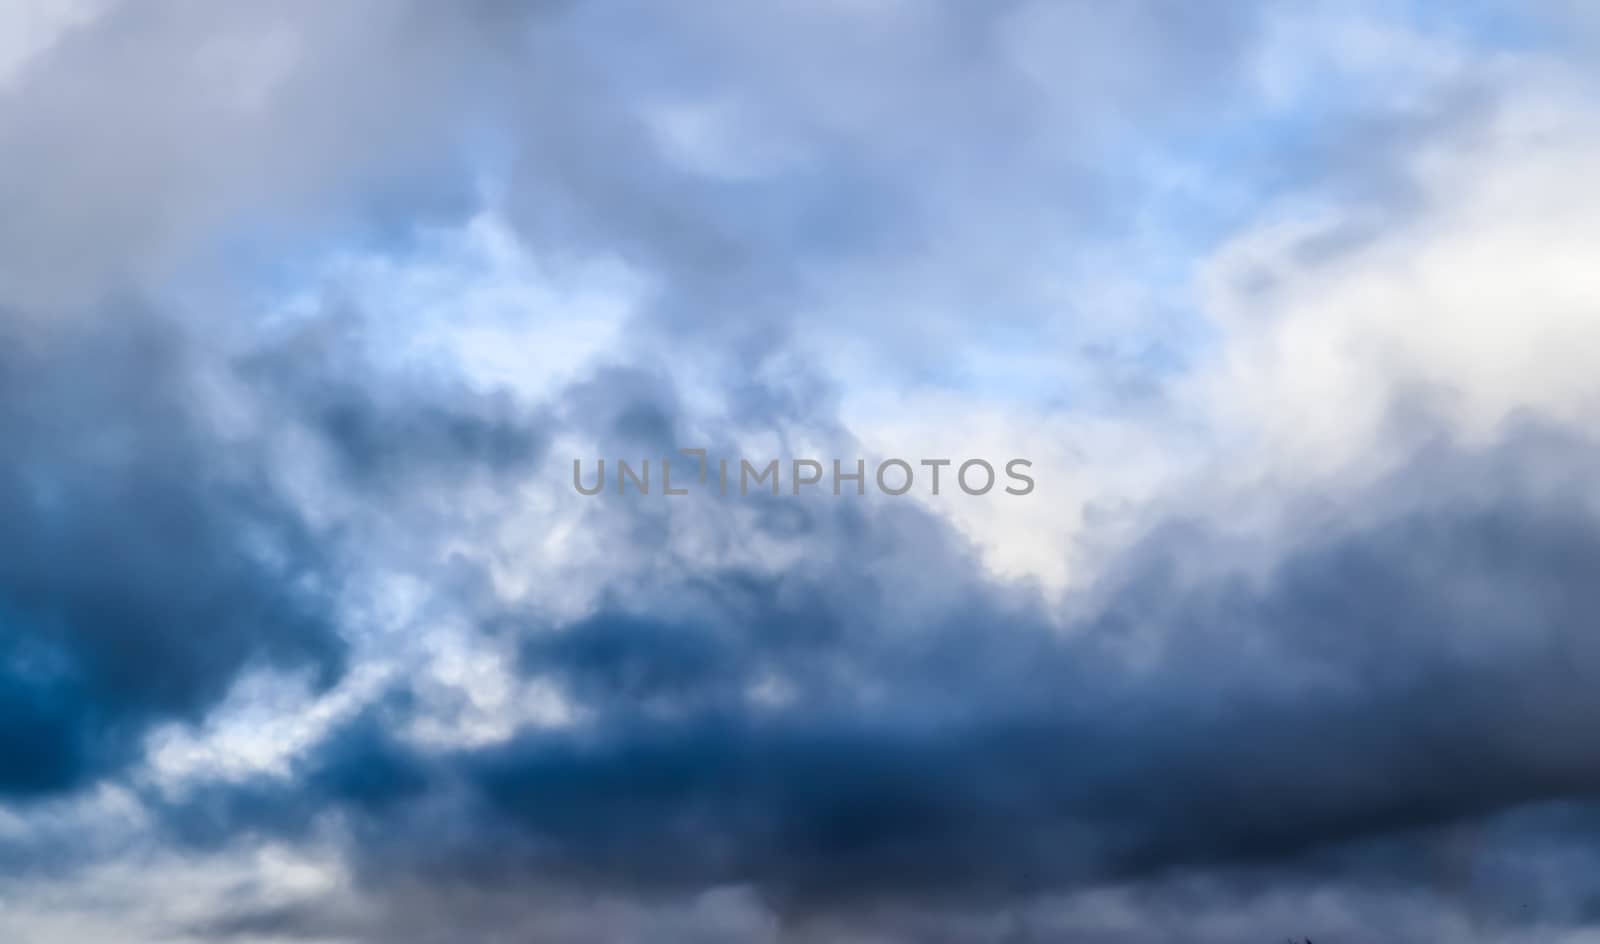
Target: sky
(308,311)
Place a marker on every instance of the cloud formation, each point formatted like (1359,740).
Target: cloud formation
(306,312)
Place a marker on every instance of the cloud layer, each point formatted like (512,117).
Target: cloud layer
(306,313)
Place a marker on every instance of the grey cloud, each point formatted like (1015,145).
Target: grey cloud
(386,431)
(140,140)
(936,150)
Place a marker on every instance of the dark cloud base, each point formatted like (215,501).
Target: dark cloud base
(1421,667)
(145,561)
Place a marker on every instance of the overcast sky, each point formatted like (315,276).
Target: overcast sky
(307,309)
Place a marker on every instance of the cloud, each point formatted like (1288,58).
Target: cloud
(838,741)
(145,136)
(146,561)
(1290,305)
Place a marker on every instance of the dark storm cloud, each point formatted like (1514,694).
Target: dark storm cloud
(1440,660)
(148,555)
(152,551)
(1425,661)
(145,559)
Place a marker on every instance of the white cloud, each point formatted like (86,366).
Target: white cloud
(1486,301)
(29,28)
